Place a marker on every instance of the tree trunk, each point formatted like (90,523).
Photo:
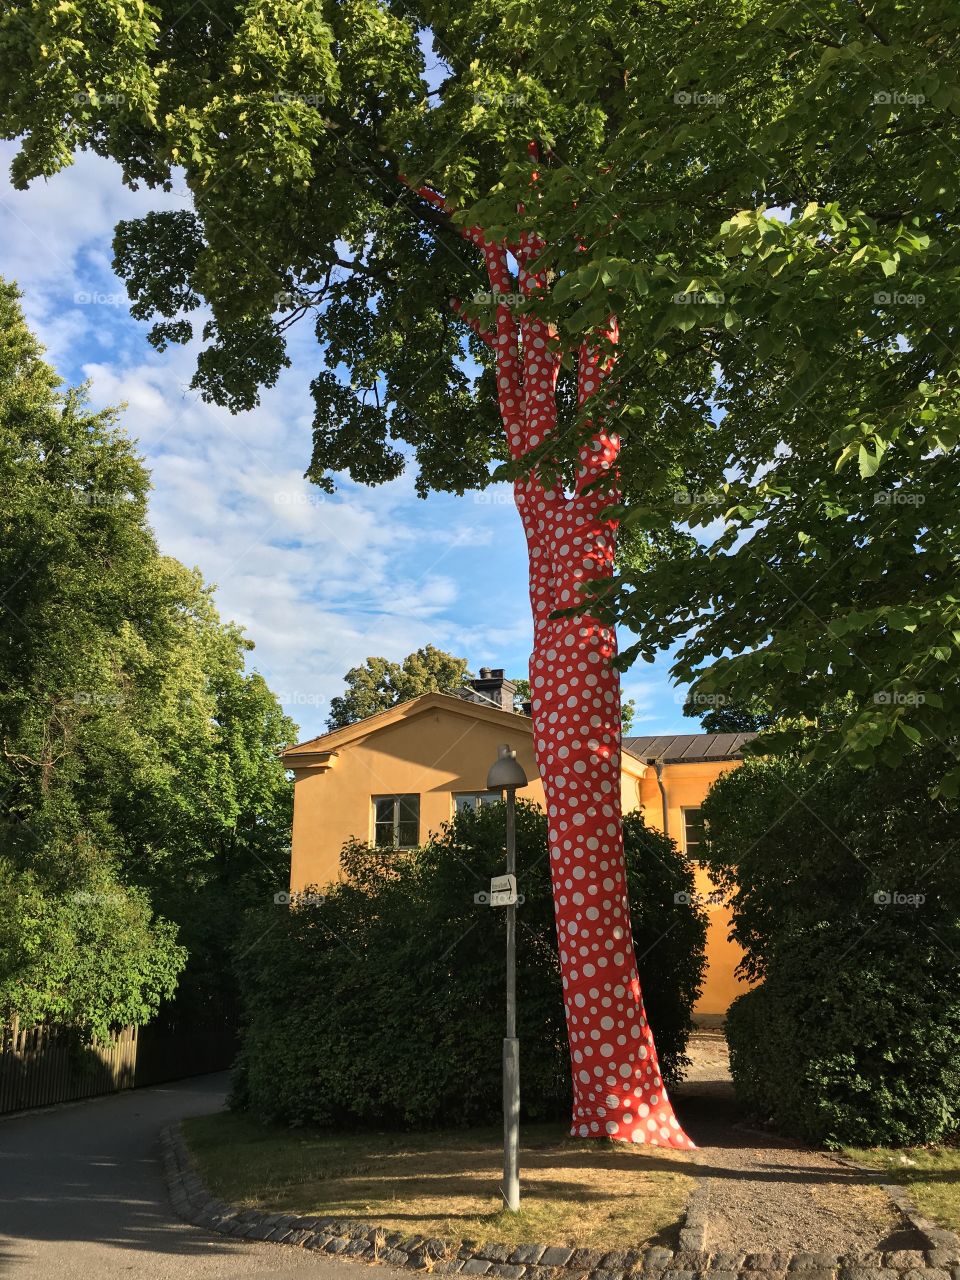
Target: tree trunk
(575,704)
(575,697)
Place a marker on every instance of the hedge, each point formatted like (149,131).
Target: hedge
(844,894)
(383,1003)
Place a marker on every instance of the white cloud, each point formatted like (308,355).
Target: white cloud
(320,581)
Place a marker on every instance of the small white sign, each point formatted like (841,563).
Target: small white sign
(503,891)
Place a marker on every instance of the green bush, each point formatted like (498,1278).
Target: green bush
(383,1003)
(845,896)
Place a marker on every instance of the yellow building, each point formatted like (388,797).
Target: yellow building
(394,778)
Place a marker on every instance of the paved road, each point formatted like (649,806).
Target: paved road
(82,1197)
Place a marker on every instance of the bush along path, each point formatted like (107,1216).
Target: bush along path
(933,1259)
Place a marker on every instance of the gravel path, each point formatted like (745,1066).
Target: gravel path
(769,1194)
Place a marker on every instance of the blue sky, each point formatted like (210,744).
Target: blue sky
(320,582)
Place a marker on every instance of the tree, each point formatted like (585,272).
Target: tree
(719,714)
(324,182)
(796,160)
(845,899)
(521,694)
(144,794)
(380,684)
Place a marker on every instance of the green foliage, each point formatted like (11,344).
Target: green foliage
(845,898)
(820,277)
(384,1002)
(294,125)
(766,198)
(94,958)
(521,693)
(140,764)
(380,684)
(839,1047)
(720,714)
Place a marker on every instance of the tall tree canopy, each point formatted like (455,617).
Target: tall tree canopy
(675,187)
(380,683)
(140,762)
(293,125)
(766,198)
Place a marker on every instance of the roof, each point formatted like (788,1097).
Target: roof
(688,747)
(318,750)
(336,738)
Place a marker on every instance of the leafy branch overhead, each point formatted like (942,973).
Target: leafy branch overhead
(766,198)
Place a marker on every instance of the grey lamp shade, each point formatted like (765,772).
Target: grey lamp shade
(506,771)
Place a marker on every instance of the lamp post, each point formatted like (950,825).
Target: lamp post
(506,774)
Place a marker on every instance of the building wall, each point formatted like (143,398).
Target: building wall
(438,753)
(433,754)
(686,786)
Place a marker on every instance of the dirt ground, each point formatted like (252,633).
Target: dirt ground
(579,1193)
(768,1193)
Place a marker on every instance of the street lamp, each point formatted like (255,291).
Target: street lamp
(506,774)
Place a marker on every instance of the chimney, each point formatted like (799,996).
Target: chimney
(490,687)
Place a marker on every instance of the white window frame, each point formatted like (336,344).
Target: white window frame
(684,810)
(396,798)
(485,797)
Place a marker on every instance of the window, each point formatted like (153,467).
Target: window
(396,822)
(475,799)
(692,832)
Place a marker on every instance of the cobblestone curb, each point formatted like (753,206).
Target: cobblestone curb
(693,1233)
(358,1240)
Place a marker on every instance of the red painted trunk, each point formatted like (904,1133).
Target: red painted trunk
(618,1091)
(575,693)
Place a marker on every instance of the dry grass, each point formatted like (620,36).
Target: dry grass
(447,1184)
(930,1174)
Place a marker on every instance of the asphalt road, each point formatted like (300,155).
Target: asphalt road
(82,1196)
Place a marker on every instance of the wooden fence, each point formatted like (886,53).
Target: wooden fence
(45,1064)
